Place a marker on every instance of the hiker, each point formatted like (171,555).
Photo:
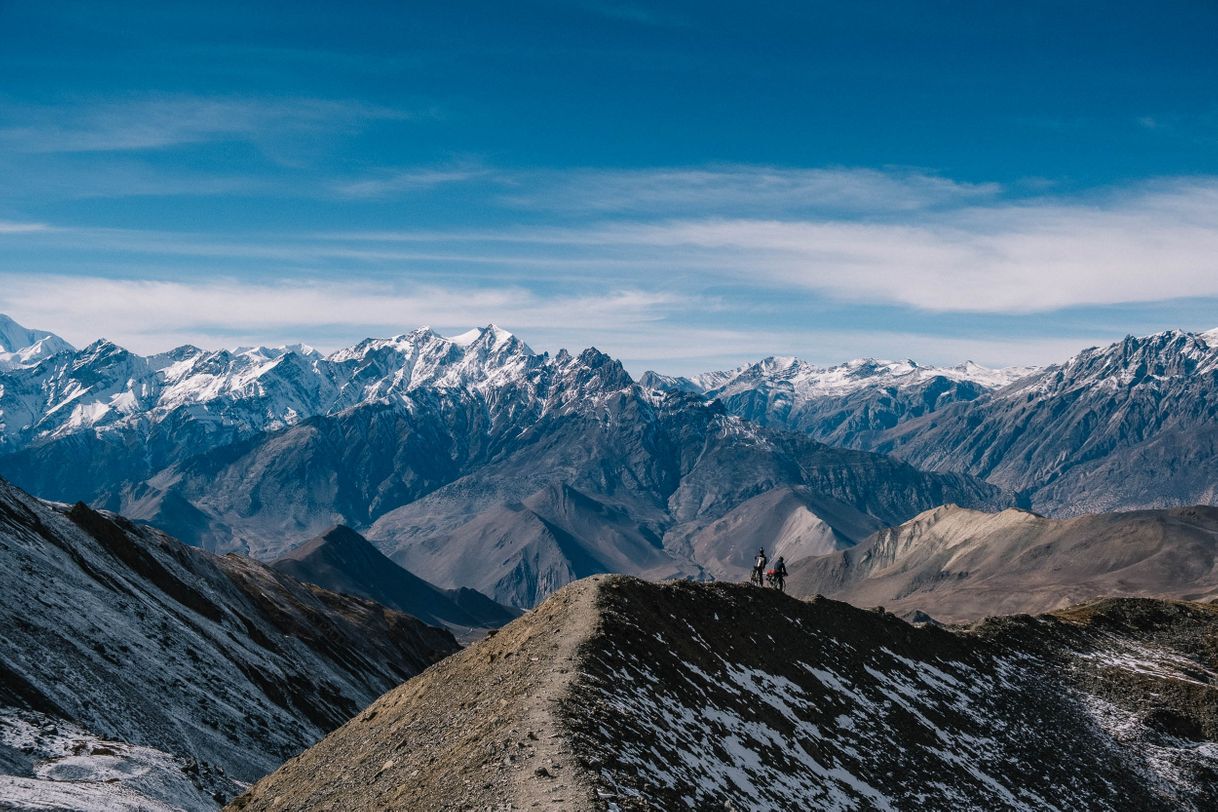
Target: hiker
(778,575)
(759,563)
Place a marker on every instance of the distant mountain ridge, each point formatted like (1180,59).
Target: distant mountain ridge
(343,561)
(845,404)
(807,380)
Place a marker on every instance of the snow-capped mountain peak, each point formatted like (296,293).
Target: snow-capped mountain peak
(842,403)
(21,346)
(806,380)
(233,393)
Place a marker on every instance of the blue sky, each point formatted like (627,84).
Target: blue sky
(685,185)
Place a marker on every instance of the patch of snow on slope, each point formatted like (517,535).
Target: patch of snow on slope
(74,769)
(1168,762)
(466,338)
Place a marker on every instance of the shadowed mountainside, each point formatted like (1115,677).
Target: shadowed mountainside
(343,561)
(217,667)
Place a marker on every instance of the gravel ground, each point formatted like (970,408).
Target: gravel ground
(474,732)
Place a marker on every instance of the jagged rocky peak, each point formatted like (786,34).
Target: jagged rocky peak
(621,694)
(1156,359)
(593,370)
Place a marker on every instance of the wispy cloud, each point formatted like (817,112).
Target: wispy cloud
(739,188)
(1153,244)
(388,183)
(22,228)
(646,284)
(671,332)
(152,315)
(159,121)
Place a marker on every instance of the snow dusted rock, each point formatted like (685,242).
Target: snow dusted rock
(1132,425)
(616,694)
(120,633)
(845,404)
(20,346)
(58,765)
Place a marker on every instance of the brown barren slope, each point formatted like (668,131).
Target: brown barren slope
(961,565)
(475,731)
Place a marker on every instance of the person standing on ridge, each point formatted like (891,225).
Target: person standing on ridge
(759,563)
(778,575)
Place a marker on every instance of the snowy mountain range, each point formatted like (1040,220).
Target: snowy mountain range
(846,404)
(1127,426)
(543,468)
(530,469)
(802,381)
(228,394)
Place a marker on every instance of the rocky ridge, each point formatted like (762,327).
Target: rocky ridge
(728,696)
